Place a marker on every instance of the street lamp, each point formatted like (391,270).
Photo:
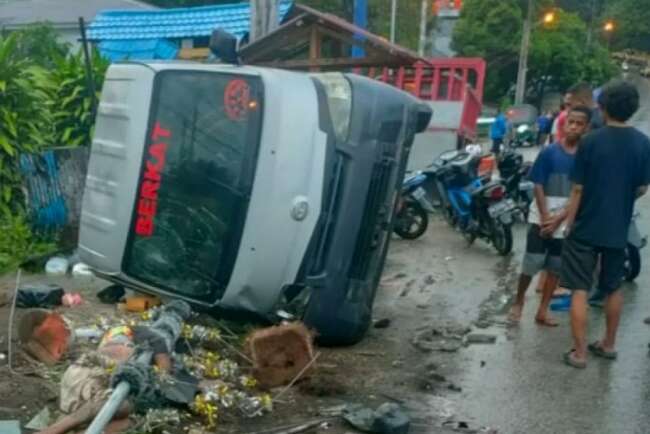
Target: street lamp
(548,19)
(609,28)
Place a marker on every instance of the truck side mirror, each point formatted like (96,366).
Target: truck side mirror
(424,117)
(224,46)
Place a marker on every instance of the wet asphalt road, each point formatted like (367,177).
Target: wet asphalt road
(524,387)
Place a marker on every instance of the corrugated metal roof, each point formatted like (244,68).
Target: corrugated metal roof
(175,23)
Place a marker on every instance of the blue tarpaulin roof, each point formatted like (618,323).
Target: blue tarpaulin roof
(174,23)
(138,49)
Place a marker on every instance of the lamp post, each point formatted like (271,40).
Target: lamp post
(609,27)
(393,20)
(549,18)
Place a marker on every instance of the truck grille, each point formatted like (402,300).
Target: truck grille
(374,216)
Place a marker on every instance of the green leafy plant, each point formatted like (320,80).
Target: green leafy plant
(18,242)
(44,102)
(71,100)
(25,123)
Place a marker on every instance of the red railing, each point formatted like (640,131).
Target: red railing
(444,79)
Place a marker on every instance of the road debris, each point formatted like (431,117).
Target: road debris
(480,338)
(388,418)
(141,303)
(446,337)
(39,295)
(279,353)
(111,294)
(45,335)
(40,421)
(57,266)
(382,323)
(407,287)
(81,271)
(72,299)
(322,385)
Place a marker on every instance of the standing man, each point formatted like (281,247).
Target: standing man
(550,173)
(498,131)
(544,122)
(612,169)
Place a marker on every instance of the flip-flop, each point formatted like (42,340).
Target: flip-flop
(597,350)
(570,361)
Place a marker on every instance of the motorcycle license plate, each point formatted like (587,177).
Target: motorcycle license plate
(499,208)
(419,193)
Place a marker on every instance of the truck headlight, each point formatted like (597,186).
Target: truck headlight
(339,99)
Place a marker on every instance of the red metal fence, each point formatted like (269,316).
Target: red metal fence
(441,79)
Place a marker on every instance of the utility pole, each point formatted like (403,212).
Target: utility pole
(423,27)
(520,90)
(590,28)
(360,19)
(393,20)
(264,18)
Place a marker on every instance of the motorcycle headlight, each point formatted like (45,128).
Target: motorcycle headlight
(339,100)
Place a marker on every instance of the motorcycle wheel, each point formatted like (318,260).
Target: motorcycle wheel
(632,263)
(502,238)
(411,222)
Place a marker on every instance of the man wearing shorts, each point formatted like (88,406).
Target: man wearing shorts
(612,169)
(551,175)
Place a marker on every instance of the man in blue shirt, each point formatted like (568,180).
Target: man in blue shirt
(612,169)
(498,131)
(551,175)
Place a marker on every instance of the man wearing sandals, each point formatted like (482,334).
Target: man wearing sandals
(612,169)
(551,175)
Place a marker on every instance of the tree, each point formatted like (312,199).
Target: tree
(40,44)
(491,29)
(558,54)
(632,21)
(379,12)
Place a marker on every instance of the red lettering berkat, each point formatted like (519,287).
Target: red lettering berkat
(148,202)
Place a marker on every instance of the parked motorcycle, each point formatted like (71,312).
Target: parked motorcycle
(514,175)
(635,242)
(477,207)
(412,219)
(523,119)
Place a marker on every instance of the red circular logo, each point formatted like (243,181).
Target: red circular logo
(236,99)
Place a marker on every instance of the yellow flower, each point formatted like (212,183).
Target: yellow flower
(267,402)
(249,382)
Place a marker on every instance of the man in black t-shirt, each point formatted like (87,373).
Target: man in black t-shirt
(612,169)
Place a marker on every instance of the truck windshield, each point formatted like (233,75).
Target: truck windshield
(197,173)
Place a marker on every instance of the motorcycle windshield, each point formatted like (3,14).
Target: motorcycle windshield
(195,183)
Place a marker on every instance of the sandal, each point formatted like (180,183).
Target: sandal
(597,350)
(571,361)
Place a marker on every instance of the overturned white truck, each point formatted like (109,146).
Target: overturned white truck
(240,187)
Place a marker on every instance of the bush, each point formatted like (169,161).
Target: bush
(18,242)
(44,102)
